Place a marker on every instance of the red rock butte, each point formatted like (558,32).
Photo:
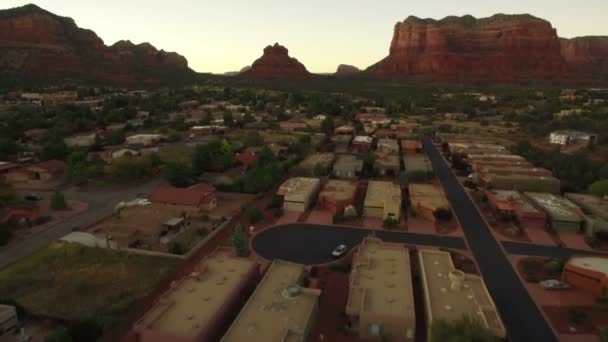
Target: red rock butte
(347,70)
(501,48)
(37,44)
(275,63)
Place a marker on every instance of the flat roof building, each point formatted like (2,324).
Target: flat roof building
(467,148)
(337,195)
(298,193)
(314,163)
(426,199)
(514,203)
(200,306)
(493,157)
(563,215)
(382,200)
(279,310)
(347,166)
(380,299)
(520,182)
(417,162)
(588,273)
(411,146)
(449,293)
(8,318)
(596,211)
(387,146)
(388,165)
(479,165)
(362,143)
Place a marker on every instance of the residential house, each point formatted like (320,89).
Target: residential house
(409,146)
(426,200)
(388,165)
(387,146)
(588,273)
(8,319)
(596,211)
(380,303)
(124,152)
(247,158)
(144,139)
(520,182)
(200,196)
(514,204)
(336,195)
(417,162)
(347,166)
(382,200)
(362,144)
(315,164)
(567,137)
(345,130)
(293,126)
(298,193)
(562,214)
(86,140)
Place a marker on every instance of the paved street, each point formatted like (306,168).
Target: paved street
(312,244)
(101,203)
(521,316)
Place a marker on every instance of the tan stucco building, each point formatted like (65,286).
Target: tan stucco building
(380,299)
(382,200)
(298,193)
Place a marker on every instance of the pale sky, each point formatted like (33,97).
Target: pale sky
(226,35)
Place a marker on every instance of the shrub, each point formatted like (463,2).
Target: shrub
(176,248)
(42,220)
(58,201)
(5,235)
(338,218)
(205,218)
(577,316)
(275,202)
(511,231)
(58,335)
(255,215)
(443,214)
(86,330)
(239,241)
(391,223)
(278,212)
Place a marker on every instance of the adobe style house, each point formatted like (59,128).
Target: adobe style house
(298,193)
(50,170)
(588,273)
(337,195)
(514,204)
(247,158)
(362,144)
(197,197)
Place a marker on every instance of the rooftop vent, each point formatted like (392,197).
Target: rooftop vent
(448,308)
(456,280)
(292,292)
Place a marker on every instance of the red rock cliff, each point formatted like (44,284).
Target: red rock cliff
(501,48)
(36,44)
(347,70)
(588,55)
(275,63)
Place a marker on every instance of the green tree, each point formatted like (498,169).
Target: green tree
(228,118)
(328,125)
(253,138)
(86,330)
(58,335)
(177,248)
(466,329)
(255,215)
(116,137)
(130,168)
(239,241)
(7,194)
(602,173)
(599,188)
(58,201)
(179,174)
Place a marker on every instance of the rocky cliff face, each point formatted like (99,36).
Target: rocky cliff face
(588,55)
(347,70)
(38,45)
(275,63)
(501,48)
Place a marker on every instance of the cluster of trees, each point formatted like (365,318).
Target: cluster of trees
(576,171)
(466,329)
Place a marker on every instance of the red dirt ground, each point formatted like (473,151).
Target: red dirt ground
(596,319)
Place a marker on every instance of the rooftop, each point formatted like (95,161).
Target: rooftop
(363,139)
(592,204)
(417,162)
(427,196)
(278,310)
(596,264)
(408,144)
(381,281)
(383,194)
(390,144)
(184,310)
(514,198)
(348,161)
(495,156)
(297,189)
(555,206)
(324,159)
(192,196)
(450,293)
(339,189)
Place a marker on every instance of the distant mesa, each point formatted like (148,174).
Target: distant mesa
(501,48)
(275,63)
(38,45)
(235,73)
(347,70)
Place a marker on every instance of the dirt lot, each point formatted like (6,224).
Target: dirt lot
(230,203)
(70,281)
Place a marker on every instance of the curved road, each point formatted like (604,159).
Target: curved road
(312,244)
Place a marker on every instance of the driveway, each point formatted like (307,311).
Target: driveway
(521,316)
(101,204)
(311,244)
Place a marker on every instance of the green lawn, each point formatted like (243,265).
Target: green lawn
(71,281)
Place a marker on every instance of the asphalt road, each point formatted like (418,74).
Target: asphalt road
(101,204)
(522,318)
(519,248)
(312,244)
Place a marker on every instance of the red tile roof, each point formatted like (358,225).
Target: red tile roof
(51,166)
(192,196)
(246,158)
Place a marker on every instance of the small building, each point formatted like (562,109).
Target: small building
(387,146)
(568,137)
(200,196)
(494,157)
(389,165)
(410,146)
(362,144)
(382,200)
(417,162)
(562,214)
(199,306)
(123,152)
(345,130)
(455,116)
(298,193)
(280,308)
(86,140)
(380,298)
(426,199)
(596,211)
(480,165)
(450,294)
(514,204)
(8,319)
(279,151)
(293,126)
(50,170)
(337,195)
(341,142)
(347,166)
(520,182)
(144,139)
(315,164)
(6,167)
(247,158)
(589,273)
(476,148)
(515,170)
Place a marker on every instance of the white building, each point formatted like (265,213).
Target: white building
(571,137)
